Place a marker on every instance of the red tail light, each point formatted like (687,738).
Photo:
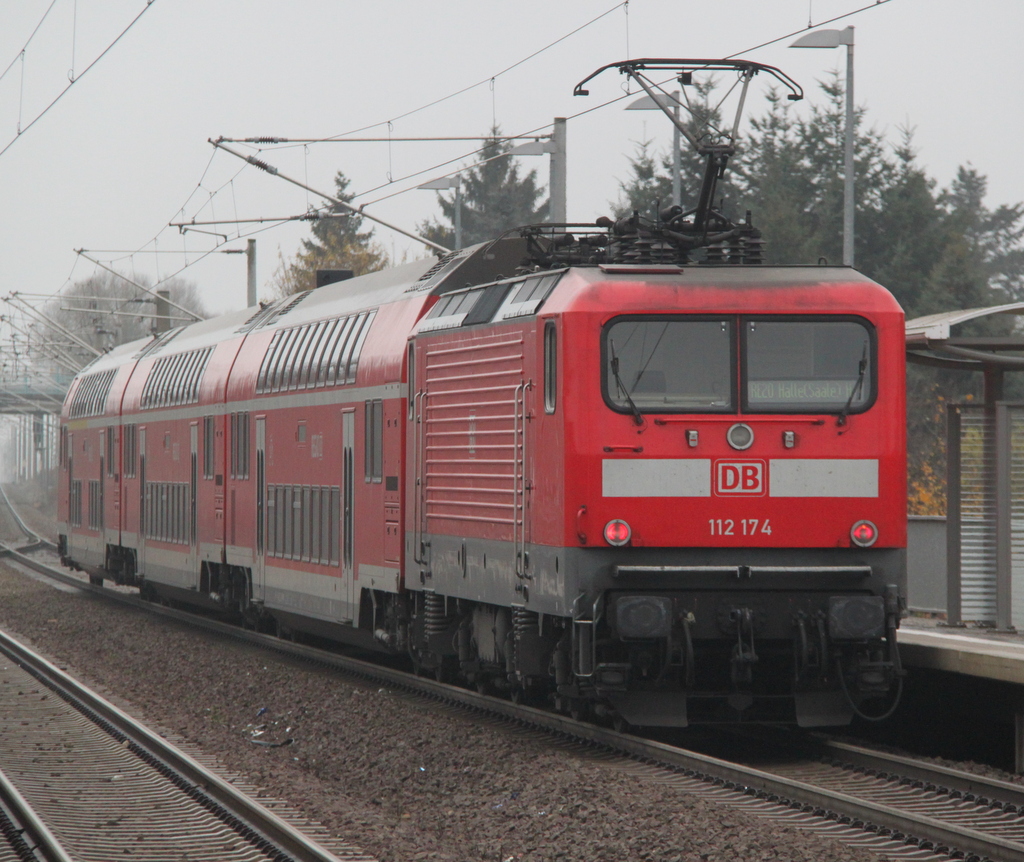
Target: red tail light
(864,534)
(617,533)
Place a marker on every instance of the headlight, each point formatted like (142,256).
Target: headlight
(643,616)
(856,618)
(740,436)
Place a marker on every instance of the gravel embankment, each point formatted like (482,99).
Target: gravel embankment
(403,780)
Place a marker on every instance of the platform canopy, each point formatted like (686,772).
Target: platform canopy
(930,341)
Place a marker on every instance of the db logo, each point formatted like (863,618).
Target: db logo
(739,477)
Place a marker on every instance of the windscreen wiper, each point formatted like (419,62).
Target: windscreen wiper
(862,368)
(638,417)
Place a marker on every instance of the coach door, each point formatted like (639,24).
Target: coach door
(143,514)
(69,453)
(348,433)
(193,492)
(99,519)
(259,563)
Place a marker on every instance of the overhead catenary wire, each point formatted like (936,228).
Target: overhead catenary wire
(489,79)
(528,134)
(142,287)
(21,131)
(20,54)
(55,355)
(270,169)
(268,223)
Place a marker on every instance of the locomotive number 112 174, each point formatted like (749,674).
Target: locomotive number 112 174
(740,527)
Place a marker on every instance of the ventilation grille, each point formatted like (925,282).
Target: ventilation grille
(282,310)
(174,380)
(158,342)
(259,317)
(440,269)
(91,394)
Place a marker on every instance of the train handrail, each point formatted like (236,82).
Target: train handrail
(419,500)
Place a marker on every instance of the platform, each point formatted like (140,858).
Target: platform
(971,650)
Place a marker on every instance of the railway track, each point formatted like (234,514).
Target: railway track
(106,785)
(900,806)
(16,524)
(26,837)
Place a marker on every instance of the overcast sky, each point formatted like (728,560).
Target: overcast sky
(124,152)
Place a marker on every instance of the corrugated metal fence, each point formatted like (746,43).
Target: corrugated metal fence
(985,532)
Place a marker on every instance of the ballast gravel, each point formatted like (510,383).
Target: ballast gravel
(402,779)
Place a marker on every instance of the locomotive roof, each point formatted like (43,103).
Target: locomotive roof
(825,287)
(726,275)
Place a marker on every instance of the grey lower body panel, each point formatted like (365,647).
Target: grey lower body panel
(485,571)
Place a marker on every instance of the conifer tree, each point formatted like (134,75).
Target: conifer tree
(496,196)
(337,243)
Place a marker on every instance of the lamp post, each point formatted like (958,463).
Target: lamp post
(555,146)
(833,39)
(451,183)
(659,102)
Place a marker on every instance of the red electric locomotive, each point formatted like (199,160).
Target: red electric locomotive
(572,463)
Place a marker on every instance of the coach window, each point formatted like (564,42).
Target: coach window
(353,365)
(239,445)
(337,353)
(307,363)
(281,518)
(346,371)
(808,365)
(128,454)
(209,449)
(111,451)
(373,452)
(295,371)
(284,351)
(550,367)
(330,341)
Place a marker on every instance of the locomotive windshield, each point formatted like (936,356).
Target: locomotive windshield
(670,364)
(688,365)
(807,365)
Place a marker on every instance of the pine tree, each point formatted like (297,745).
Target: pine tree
(496,196)
(648,190)
(337,243)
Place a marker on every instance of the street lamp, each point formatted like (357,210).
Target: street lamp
(833,39)
(451,183)
(658,103)
(555,146)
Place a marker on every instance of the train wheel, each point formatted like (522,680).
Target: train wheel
(446,669)
(96,580)
(579,709)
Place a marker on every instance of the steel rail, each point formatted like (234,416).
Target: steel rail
(788,792)
(965,783)
(261,826)
(29,534)
(30,837)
